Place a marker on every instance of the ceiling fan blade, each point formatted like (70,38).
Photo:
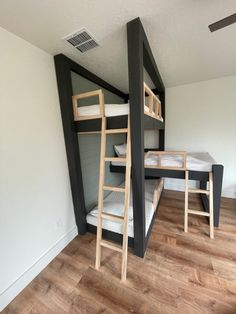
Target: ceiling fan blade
(223,23)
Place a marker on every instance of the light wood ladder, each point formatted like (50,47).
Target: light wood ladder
(187,211)
(126,190)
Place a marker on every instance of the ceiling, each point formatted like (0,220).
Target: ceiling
(184,48)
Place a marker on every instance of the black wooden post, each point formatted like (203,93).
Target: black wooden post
(140,56)
(71,140)
(217,189)
(135,60)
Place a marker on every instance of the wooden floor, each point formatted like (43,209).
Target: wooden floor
(181,273)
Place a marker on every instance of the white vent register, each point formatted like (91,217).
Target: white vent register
(81,40)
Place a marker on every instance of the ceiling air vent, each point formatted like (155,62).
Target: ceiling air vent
(81,40)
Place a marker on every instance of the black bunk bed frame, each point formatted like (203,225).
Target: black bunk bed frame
(139,56)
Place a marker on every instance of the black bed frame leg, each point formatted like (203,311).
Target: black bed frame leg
(217,189)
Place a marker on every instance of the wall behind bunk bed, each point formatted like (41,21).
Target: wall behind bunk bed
(89,145)
(202,117)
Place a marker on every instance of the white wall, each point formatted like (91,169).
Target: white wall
(36,213)
(202,117)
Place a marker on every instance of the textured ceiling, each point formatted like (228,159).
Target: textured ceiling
(184,48)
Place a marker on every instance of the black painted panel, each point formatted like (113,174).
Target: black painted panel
(64,66)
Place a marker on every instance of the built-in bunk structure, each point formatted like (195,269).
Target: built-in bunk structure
(75,120)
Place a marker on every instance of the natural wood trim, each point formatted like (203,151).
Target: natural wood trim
(157,193)
(108,245)
(113,188)
(115,159)
(198,212)
(183,154)
(114,131)
(126,206)
(75,100)
(75,108)
(186,202)
(83,118)
(199,191)
(88,94)
(90,132)
(101,103)
(113,217)
(100,193)
(152,115)
(126,190)
(211,206)
(210,213)
(154,103)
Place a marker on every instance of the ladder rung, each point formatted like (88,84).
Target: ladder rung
(113,131)
(198,212)
(113,217)
(113,188)
(199,191)
(112,246)
(114,159)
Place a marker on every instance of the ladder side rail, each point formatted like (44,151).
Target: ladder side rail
(126,206)
(101,183)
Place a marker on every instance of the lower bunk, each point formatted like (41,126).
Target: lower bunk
(114,204)
(198,164)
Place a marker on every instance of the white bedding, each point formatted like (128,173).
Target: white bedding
(195,161)
(114,204)
(111,110)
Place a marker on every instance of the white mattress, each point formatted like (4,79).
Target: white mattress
(114,204)
(111,110)
(195,161)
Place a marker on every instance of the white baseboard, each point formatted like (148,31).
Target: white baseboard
(14,289)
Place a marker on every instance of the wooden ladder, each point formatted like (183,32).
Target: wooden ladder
(187,211)
(126,190)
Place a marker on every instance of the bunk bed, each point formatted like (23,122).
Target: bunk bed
(142,111)
(113,202)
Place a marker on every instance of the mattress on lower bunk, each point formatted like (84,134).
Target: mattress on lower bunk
(195,161)
(114,204)
(111,110)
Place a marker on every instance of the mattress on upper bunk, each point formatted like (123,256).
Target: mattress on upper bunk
(194,162)
(111,110)
(114,204)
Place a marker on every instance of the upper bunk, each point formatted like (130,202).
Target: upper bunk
(87,118)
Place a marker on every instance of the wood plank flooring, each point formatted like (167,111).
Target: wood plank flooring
(181,273)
